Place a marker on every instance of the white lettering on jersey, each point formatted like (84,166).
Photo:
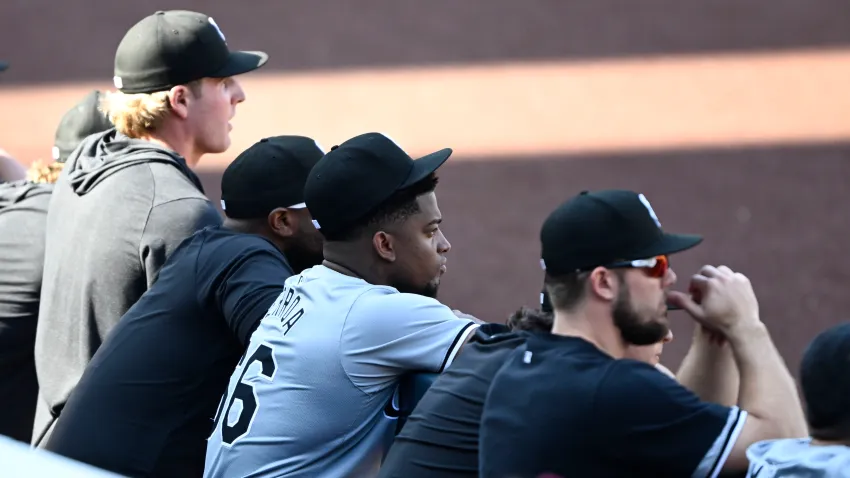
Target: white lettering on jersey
(287,309)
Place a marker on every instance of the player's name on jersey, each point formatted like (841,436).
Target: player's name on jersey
(287,308)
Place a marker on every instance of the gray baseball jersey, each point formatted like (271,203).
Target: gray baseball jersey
(313,394)
(797,457)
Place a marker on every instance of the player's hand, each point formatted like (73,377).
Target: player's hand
(720,299)
(710,336)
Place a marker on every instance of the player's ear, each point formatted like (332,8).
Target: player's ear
(384,245)
(604,283)
(282,222)
(178,99)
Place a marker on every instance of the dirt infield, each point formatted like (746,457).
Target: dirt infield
(755,157)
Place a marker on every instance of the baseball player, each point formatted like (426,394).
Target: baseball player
(23,215)
(440,439)
(81,121)
(313,394)
(608,277)
(825,452)
(127,197)
(154,383)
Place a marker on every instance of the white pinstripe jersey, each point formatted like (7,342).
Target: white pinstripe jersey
(309,396)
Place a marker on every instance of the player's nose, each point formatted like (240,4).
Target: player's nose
(443,244)
(670,277)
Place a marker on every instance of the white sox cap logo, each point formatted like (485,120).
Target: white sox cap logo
(214,24)
(649,208)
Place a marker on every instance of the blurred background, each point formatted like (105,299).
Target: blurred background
(733,118)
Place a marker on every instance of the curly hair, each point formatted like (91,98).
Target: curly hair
(533,320)
(43,172)
(137,115)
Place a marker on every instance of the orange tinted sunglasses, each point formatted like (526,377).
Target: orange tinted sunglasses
(654,267)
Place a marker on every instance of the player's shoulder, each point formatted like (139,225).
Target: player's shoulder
(626,375)
(389,301)
(221,245)
(629,372)
(335,286)
(651,393)
(16,192)
(222,237)
(357,291)
(217,252)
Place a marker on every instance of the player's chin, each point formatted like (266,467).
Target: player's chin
(433,288)
(219,146)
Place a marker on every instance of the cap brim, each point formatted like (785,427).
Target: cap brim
(669,244)
(241,62)
(426,165)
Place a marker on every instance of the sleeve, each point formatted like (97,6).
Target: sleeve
(387,335)
(662,427)
(167,226)
(249,288)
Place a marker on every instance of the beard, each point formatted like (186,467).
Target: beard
(428,290)
(301,257)
(636,328)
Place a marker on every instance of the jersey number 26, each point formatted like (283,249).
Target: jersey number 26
(244,391)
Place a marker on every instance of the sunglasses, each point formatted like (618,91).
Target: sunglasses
(656,267)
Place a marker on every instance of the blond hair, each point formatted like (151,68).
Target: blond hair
(138,115)
(43,172)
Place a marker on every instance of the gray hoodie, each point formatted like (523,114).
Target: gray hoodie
(23,216)
(119,209)
(797,458)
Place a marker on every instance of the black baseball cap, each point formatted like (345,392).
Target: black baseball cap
(356,177)
(268,175)
(84,119)
(175,47)
(825,382)
(598,228)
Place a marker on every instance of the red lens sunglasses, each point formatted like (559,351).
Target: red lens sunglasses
(654,267)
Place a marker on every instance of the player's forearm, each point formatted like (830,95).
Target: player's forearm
(709,370)
(767,390)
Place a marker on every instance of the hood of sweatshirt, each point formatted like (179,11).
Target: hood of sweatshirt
(104,154)
(14,192)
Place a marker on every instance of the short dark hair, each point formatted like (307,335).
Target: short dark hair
(826,384)
(397,208)
(566,291)
(532,320)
